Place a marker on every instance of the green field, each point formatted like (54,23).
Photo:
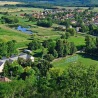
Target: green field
(7,34)
(75,59)
(78,40)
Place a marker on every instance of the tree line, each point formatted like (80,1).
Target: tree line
(54,49)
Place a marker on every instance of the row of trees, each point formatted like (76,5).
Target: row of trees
(60,48)
(55,49)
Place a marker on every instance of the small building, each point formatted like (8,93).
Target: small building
(15,58)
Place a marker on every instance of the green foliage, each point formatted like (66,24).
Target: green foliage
(35,44)
(66,23)
(49,57)
(44,23)
(72,31)
(90,45)
(11,49)
(9,19)
(66,35)
(8,49)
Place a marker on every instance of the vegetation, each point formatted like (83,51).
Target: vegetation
(76,81)
(64,44)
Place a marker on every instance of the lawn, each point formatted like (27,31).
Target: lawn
(75,59)
(78,40)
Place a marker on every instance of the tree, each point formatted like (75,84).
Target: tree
(73,48)
(66,48)
(31,19)
(44,23)
(49,57)
(90,44)
(65,36)
(97,42)
(66,23)
(35,44)
(11,49)
(72,31)
(60,48)
(3,49)
(84,28)
(55,54)
(44,67)
(9,19)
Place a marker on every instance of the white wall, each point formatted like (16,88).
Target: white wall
(1,67)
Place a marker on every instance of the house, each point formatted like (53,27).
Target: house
(26,57)
(1,66)
(12,59)
(4,79)
(15,58)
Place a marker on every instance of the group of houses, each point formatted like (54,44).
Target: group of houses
(46,12)
(70,15)
(14,58)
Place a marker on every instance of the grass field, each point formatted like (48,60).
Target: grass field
(7,34)
(78,40)
(75,59)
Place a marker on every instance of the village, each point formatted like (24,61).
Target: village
(62,14)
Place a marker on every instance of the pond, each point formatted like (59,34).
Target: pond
(24,30)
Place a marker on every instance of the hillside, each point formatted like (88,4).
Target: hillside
(69,2)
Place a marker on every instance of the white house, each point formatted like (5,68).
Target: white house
(26,56)
(15,58)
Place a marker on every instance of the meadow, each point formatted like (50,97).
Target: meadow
(7,34)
